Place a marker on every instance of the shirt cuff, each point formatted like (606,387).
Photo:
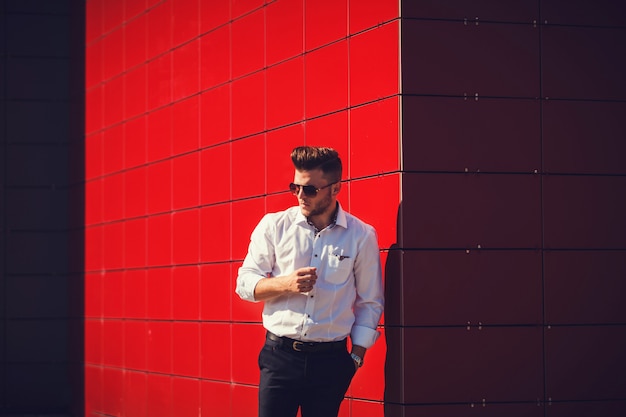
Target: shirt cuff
(246,286)
(364,336)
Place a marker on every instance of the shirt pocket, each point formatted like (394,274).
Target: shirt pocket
(339,268)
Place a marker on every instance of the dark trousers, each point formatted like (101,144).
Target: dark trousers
(314,381)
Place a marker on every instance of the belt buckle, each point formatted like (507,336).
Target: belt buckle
(296,345)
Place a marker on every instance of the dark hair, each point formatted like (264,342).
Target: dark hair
(307,158)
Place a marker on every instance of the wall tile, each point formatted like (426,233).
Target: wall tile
(159,28)
(185,21)
(215,237)
(248,105)
(136,240)
(186,397)
(113,150)
(215,116)
(326,79)
(597,128)
(186,349)
(596,296)
(487,135)
(285,93)
(330,130)
(159,293)
(584,212)
(216,351)
(325,21)
(186,292)
(470,59)
(248,48)
(248,174)
(112,203)
(159,78)
(446,369)
(112,54)
(135,92)
(113,294)
(247,343)
(186,125)
(112,345)
(213,14)
(133,8)
(159,396)
(135,39)
(135,187)
(370,13)
(135,287)
(284,30)
(279,144)
(135,344)
(159,191)
(481,11)
(217,397)
(217,289)
(472,282)
(580,62)
(380,212)
(374,64)
(185,70)
(374,138)
(215,57)
(135,394)
(159,350)
(369,382)
(585,362)
(186,181)
(493,211)
(596,13)
(246,215)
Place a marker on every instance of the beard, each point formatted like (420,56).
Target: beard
(320,207)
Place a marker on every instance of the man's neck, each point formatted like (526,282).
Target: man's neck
(323,220)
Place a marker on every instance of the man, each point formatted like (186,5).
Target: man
(317,269)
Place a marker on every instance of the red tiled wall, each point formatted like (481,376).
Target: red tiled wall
(512,232)
(192,109)
(499,215)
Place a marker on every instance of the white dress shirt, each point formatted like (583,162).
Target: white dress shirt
(347,298)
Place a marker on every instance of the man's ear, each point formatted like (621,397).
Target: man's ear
(336,188)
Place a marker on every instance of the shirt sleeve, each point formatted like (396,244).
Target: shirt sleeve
(369,303)
(259,261)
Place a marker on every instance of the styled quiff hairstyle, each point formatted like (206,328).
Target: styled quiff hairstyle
(307,158)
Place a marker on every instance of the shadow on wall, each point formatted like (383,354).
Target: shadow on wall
(393,324)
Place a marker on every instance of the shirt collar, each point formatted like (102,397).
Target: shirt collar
(340,219)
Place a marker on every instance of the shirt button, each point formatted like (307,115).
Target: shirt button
(316,255)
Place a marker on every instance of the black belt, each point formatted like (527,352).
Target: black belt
(307,347)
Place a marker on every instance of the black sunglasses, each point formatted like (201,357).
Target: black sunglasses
(308,190)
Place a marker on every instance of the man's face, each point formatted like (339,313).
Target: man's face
(323,201)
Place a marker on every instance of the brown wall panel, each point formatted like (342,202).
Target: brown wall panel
(585,137)
(584,212)
(453,58)
(476,287)
(585,287)
(584,12)
(585,363)
(481,10)
(468,210)
(486,135)
(583,62)
(451,365)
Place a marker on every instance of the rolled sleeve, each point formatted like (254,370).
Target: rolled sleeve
(257,263)
(369,303)
(364,336)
